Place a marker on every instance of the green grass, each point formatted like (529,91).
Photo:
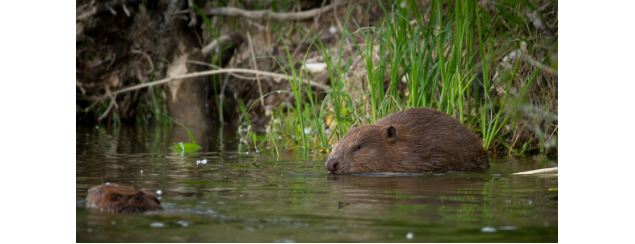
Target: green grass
(446,57)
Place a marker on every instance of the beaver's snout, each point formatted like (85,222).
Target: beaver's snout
(332,165)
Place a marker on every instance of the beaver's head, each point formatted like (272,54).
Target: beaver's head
(363,150)
(117,198)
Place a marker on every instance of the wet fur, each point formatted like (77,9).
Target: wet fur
(115,198)
(420,140)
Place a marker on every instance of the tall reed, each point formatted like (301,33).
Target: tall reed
(442,57)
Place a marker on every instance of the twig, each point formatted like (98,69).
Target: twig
(80,86)
(125,10)
(88,10)
(256,25)
(113,101)
(103,115)
(211,72)
(255,67)
(242,77)
(221,97)
(190,4)
(112,11)
(215,43)
(145,55)
(539,171)
(268,14)
(312,30)
(529,59)
(524,55)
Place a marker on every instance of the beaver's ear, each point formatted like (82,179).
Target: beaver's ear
(391,133)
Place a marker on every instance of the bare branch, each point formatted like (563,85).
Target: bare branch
(215,43)
(539,171)
(207,73)
(268,14)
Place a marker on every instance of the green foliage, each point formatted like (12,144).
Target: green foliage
(445,56)
(185,148)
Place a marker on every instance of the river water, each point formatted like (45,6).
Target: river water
(258,197)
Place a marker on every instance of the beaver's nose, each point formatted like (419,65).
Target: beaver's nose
(332,164)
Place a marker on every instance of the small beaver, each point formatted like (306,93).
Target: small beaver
(416,140)
(115,198)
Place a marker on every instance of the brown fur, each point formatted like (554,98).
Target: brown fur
(115,198)
(416,140)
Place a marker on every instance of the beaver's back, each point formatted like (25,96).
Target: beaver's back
(436,140)
(117,198)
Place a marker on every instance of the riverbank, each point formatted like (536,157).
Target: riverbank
(300,79)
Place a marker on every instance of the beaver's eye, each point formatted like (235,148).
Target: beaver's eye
(359,146)
(115,197)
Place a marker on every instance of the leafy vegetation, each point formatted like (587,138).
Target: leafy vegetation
(470,60)
(492,65)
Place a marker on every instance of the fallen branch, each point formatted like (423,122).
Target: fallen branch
(207,73)
(268,14)
(539,171)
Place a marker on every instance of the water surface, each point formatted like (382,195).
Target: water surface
(256,197)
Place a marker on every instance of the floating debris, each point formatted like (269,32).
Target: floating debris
(508,227)
(553,170)
(409,236)
(201,162)
(488,229)
(157,225)
(183,223)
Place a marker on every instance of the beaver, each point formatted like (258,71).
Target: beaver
(412,141)
(115,198)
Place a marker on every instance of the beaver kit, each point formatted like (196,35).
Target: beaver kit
(115,198)
(416,140)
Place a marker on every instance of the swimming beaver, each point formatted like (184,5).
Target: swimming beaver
(115,198)
(415,140)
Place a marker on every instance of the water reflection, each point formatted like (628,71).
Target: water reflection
(259,198)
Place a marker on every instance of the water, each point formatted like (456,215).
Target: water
(249,197)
